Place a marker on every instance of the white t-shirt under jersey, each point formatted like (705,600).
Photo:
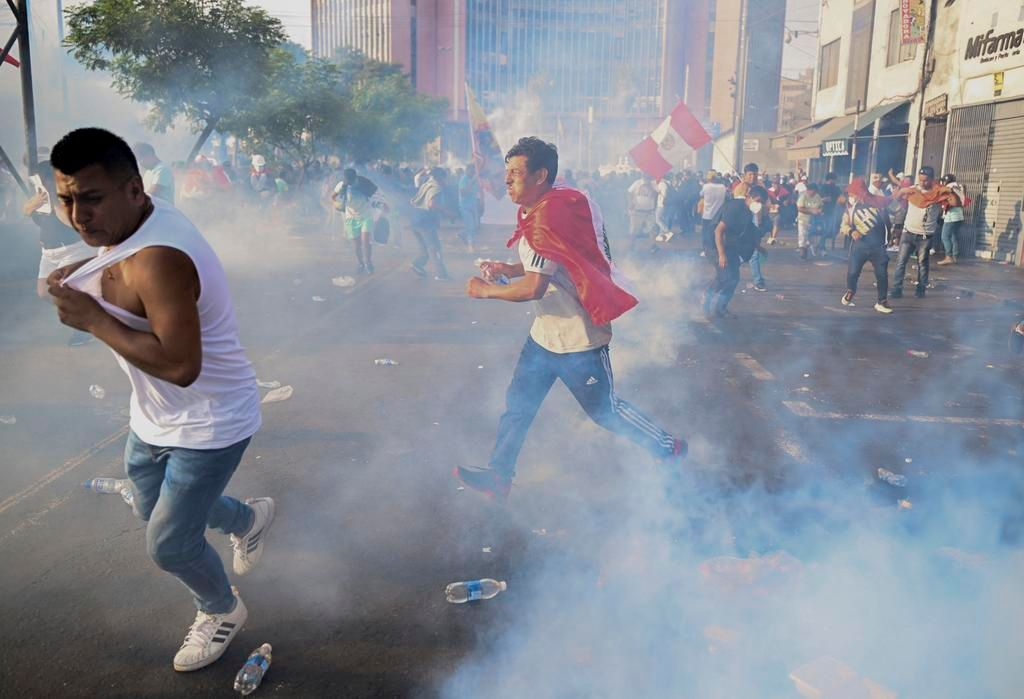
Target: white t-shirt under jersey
(561,325)
(222,406)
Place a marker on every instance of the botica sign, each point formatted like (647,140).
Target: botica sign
(835,148)
(992,47)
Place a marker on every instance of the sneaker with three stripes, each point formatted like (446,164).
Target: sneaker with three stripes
(249,547)
(209,636)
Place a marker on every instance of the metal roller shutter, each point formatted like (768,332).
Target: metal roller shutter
(1005,189)
(967,158)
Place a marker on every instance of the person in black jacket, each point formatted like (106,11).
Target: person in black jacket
(864,221)
(738,232)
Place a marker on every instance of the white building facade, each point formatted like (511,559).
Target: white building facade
(954,102)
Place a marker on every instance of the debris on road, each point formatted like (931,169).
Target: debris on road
(920,354)
(278,395)
(480,366)
(251,674)
(905,504)
(473,590)
(109,486)
(384,361)
(319,299)
(461,487)
(541,532)
(97,391)
(828,678)
(343,282)
(730,572)
(268,384)
(894,479)
(486,549)
(8,419)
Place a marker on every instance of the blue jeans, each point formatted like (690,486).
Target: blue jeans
(723,286)
(588,375)
(950,238)
(179,492)
(755,268)
(919,246)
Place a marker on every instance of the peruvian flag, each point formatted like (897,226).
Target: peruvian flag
(566,227)
(12,60)
(669,144)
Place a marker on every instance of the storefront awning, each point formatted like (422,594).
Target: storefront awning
(810,145)
(839,130)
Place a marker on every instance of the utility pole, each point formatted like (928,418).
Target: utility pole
(20,34)
(743,43)
(28,104)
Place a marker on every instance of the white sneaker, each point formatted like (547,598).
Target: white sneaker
(209,637)
(249,548)
(660,238)
(883,307)
(669,235)
(847,299)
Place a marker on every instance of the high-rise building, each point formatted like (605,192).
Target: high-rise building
(609,69)
(795,96)
(425,37)
(765,24)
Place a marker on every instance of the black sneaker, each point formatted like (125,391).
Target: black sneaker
(485,480)
(760,287)
(919,293)
(896,294)
(369,268)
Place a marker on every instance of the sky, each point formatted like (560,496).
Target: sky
(294,14)
(798,55)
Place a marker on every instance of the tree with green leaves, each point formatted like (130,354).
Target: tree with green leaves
(388,118)
(203,60)
(303,106)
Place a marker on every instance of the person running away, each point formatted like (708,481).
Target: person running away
(158,297)
(565,267)
(864,220)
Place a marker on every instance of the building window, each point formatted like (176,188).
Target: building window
(828,70)
(897,51)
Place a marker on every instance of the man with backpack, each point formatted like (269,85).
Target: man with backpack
(354,193)
(737,238)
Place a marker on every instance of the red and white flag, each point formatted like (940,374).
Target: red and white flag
(671,143)
(12,60)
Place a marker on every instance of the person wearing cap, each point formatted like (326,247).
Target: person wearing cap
(712,197)
(924,206)
(864,221)
(952,220)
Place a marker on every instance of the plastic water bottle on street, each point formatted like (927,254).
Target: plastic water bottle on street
(891,478)
(385,362)
(251,674)
(472,590)
(97,391)
(121,486)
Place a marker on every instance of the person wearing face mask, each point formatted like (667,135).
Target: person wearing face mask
(738,233)
(864,221)
(924,206)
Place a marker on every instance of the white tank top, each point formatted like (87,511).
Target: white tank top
(222,406)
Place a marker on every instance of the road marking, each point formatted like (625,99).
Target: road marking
(834,309)
(34,519)
(801,409)
(759,372)
(68,466)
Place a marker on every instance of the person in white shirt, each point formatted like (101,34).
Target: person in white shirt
(565,342)
(643,200)
(660,217)
(712,197)
(158,297)
(157,178)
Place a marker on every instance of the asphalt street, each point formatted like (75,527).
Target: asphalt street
(797,389)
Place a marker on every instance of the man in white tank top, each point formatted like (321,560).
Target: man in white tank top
(158,297)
